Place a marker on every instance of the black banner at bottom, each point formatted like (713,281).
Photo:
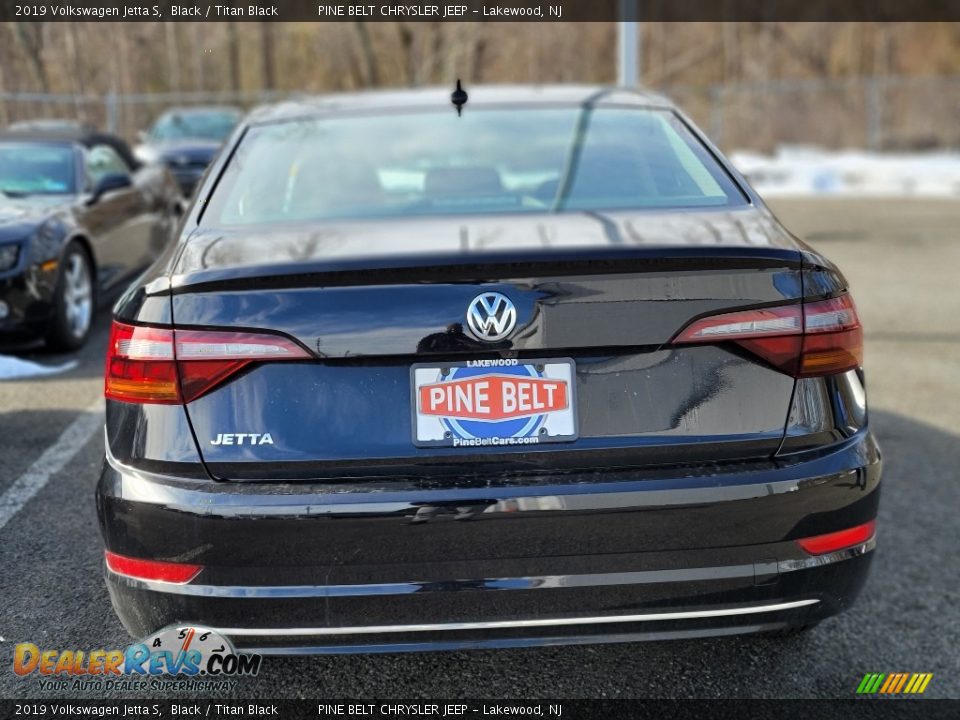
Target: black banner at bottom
(928,709)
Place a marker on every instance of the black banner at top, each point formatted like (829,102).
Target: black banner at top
(479,10)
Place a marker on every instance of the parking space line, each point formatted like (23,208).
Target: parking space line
(53,459)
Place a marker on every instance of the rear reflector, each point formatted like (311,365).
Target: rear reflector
(840,540)
(151,569)
(167,366)
(813,339)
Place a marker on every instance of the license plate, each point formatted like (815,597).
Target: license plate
(493,403)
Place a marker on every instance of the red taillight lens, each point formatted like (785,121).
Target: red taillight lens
(841,540)
(141,366)
(151,569)
(819,338)
(151,365)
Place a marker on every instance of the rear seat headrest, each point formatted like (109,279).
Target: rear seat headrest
(462,180)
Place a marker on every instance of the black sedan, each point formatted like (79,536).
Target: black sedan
(544,370)
(186,140)
(78,219)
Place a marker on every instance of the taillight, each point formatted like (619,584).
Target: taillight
(151,569)
(207,358)
(813,339)
(832,337)
(140,365)
(167,366)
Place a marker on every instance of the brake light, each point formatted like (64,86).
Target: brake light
(840,540)
(167,366)
(151,569)
(141,366)
(813,339)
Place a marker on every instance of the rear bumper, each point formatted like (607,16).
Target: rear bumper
(635,555)
(272,622)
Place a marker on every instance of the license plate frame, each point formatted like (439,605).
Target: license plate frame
(534,414)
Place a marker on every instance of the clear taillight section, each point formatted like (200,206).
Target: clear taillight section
(809,340)
(167,366)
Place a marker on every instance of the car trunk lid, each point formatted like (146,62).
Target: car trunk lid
(601,295)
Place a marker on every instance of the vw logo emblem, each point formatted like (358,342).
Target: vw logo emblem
(491,316)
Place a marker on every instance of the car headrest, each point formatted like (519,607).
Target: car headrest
(326,183)
(462,181)
(611,171)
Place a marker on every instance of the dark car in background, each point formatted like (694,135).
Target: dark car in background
(544,372)
(186,140)
(78,218)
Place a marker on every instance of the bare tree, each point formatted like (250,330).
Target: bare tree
(405,33)
(233,51)
(31,35)
(268,72)
(478,51)
(371,71)
(173,56)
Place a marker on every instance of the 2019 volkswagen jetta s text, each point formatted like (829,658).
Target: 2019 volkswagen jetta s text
(546,371)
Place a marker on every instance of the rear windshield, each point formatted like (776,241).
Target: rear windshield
(518,160)
(196,124)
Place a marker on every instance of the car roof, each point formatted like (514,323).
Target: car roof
(88,137)
(198,109)
(479,95)
(49,125)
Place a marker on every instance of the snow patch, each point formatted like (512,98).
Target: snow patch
(13,368)
(797,170)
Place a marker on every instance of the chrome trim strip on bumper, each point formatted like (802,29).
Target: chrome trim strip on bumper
(504,624)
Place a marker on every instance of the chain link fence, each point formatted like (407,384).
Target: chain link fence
(889,113)
(877,113)
(121,114)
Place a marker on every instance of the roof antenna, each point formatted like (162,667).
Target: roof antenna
(459,98)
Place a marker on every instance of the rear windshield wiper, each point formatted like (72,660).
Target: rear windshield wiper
(13,193)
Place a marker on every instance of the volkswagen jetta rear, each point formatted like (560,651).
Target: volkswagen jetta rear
(547,371)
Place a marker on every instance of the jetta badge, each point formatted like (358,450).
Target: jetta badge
(491,316)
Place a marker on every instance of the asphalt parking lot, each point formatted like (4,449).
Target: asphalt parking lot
(902,260)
